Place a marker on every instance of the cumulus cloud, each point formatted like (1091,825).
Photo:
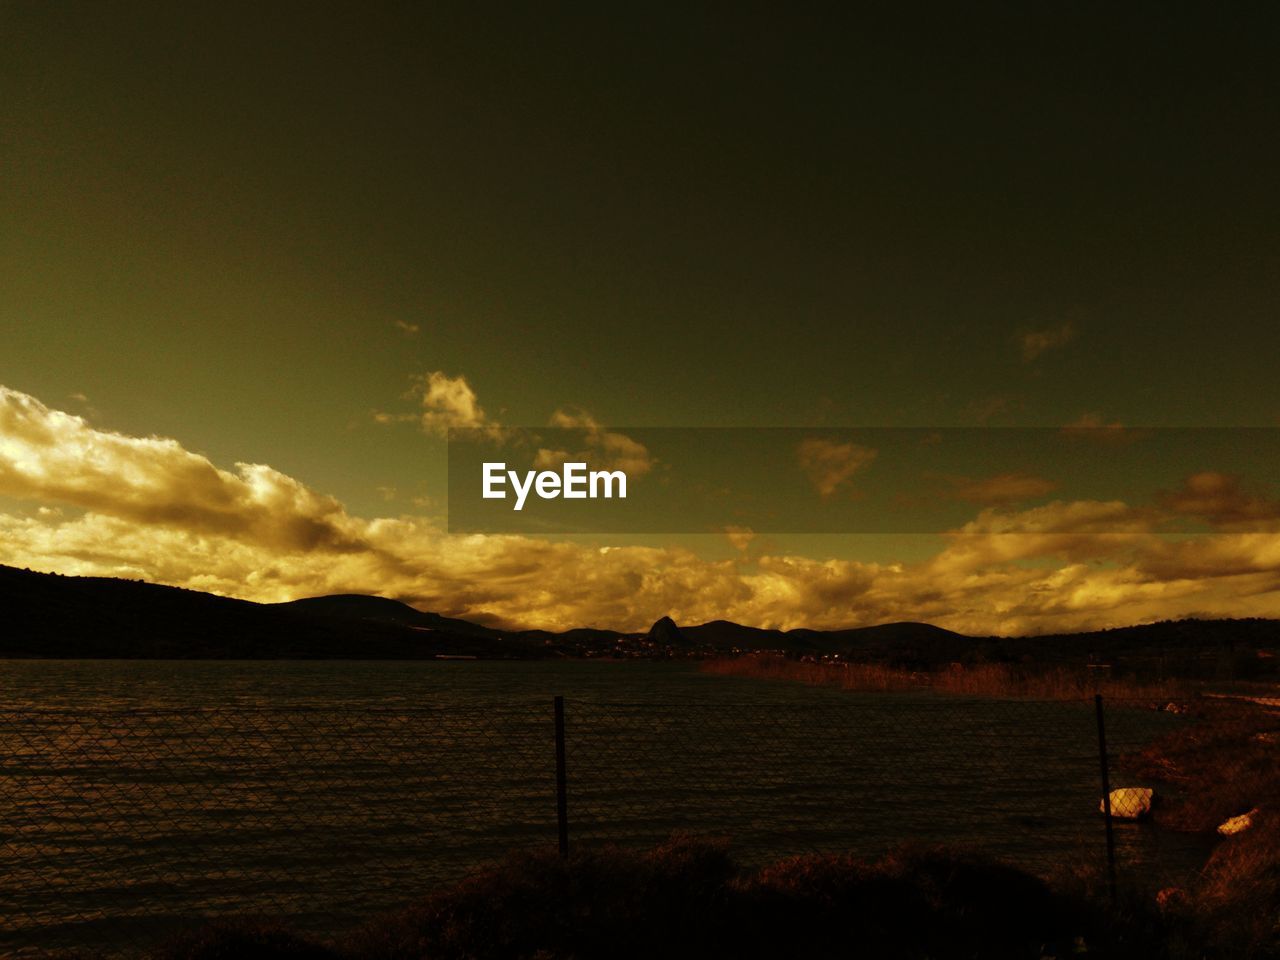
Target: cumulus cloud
(445,403)
(977,584)
(1035,343)
(48,455)
(449,402)
(831,465)
(148,508)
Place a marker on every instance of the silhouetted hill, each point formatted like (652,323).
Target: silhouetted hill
(1182,646)
(727,635)
(358,606)
(47,615)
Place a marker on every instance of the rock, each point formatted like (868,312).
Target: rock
(1234,825)
(665,633)
(1129,803)
(1172,898)
(1172,707)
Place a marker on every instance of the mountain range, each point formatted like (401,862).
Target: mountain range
(54,616)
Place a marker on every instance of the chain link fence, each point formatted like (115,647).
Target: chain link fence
(117,826)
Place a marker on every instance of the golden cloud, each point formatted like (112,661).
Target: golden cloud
(48,455)
(445,403)
(147,508)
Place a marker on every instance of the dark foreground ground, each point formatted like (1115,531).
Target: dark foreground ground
(689,899)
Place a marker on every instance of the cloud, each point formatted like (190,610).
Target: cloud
(48,455)
(1065,516)
(830,464)
(1035,343)
(1221,500)
(1249,562)
(1001,489)
(604,449)
(408,329)
(145,507)
(446,403)
(739,537)
(450,403)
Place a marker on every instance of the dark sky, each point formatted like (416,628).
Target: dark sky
(690,218)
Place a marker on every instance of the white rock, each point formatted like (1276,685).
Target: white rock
(1238,824)
(1129,803)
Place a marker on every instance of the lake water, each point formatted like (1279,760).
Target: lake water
(133,794)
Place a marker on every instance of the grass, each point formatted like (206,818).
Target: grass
(978,680)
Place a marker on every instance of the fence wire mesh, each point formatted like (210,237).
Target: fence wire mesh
(118,825)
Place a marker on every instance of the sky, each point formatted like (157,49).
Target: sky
(257,259)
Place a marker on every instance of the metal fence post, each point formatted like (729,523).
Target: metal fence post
(1106,800)
(562,794)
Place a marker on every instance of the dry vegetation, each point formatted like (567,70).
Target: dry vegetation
(1225,763)
(978,680)
(689,899)
(1239,896)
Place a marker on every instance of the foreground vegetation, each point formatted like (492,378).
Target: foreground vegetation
(690,899)
(979,679)
(1222,764)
